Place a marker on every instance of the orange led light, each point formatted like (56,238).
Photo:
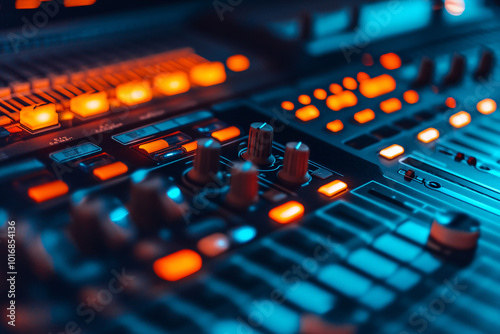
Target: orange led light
(362,76)
(4,120)
(135,92)
(287,105)
(367,59)
(172,83)
(109,171)
(460,119)
(154,146)
(333,188)
(320,94)
(238,63)
(451,103)
(487,106)
(178,265)
(287,213)
(455,7)
(335,88)
(410,96)
(391,105)
(364,116)
(307,113)
(208,74)
(392,151)
(27,4)
(190,147)
(335,126)
(226,134)
(304,99)
(343,100)
(78,3)
(89,104)
(47,191)
(213,244)
(377,86)
(350,83)
(428,135)
(39,116)
(390,61)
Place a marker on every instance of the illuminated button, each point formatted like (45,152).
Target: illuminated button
(455,7)
(460,119)
(109,171)
(336,88)
(78,3)
(48,191)
(208,74)
(362,76)
(486,106)
(226,134)
(377,86)
(335,126)
(428,135)
(213,245)
(172,83)
(390,61)
(90,104)
(27,4)
(287,105)
(364,116)
(238,63)
(304,99)
(4,120)
(342,100)
(392,151)
(154,146)
(190,147)
(450,103)
(333,188)
(39,116)
(135,92)
(350,83)
(307,113)
(178,265)
(287,213)
(391,105)
(411,96)
(320,94)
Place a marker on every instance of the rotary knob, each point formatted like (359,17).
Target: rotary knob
(206,162)
(425,72)
(485,65)
(295,164)
(457,70)
(260,144)
(455,230)
(244,185)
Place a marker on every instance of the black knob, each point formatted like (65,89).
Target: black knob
(260,144)
(295,164)
(244,185)
(455,230)
(206,161)
(457,70)
(485,65)
(425,72)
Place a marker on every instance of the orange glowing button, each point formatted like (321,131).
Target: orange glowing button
(109,171)
(428,135)
(213,244)
(391,105)
(287,105)
(486,106)
(154,146)
(27,4)
(208,74)
(455,7)
(304,99)
(460,119)
(333,188)
(172,83)
(362,76)
(392,151)
(411,96)
(47,191)
(335,88)
(320,94)
(287,213)
(89,104)
(367,59)
(377,86)
(78,3)
(135,92)
(342,100)
(390,61)
(350,83)
(4,120)
(335,126)
(364,116)
(226,134)
(39,116)
(238,63)
(307,113)
(451,103)
(190,147)
(178,265)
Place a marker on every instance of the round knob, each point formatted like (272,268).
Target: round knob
(455,230)
(244,185)
(260,144)
(206,161)
(296,163)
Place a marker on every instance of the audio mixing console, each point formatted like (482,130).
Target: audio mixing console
(267,167)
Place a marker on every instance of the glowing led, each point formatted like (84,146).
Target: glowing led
(364,116)
(107,172)
(39,116)
(46,191)
(172,83)
(78,3)
(134,92)
(455,7)
(350,83)
(307,113)
(190,147)
(362,76)
(27,4)
(335,126)
(333,188)
(450,103)
(90,104)
(208,74)
(391,105)
(178,265)
(287,105)
(154,146)
(342,100)
(410,96)
(390,61)
(377,86)
(392,151)
(238,63)
(304,99)
(213,244)
(460,119)
(486,106)
(428,135)
(320,94)
(226,134)
(287,213)
(335,88)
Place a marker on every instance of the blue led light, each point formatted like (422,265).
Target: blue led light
(139,175)
(119,215)
(244,234)
(175,194)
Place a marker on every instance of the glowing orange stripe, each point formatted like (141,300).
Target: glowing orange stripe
(287,213)
(48,191)
(226,134)
(377,86)
(109,171)
(178,265)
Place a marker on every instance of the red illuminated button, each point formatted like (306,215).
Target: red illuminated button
(287,213)
(47,191)
(178,265)
(109,171)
